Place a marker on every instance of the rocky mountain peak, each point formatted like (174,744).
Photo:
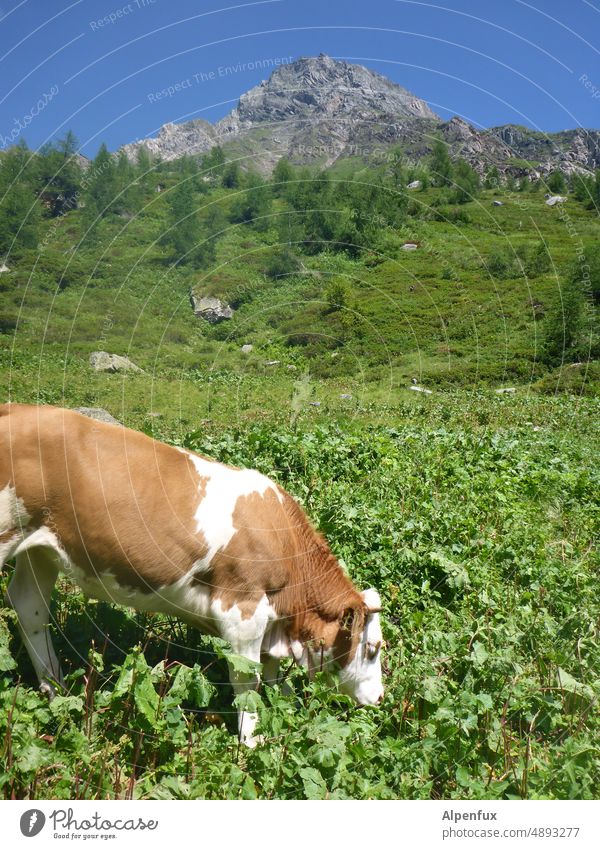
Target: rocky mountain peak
(317,109)
(319,87)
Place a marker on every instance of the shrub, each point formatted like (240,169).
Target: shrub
(282,263)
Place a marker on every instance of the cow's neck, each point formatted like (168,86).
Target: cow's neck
(319,592)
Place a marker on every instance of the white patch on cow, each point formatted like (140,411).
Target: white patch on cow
(276,643)
(214,514)
(372,599)
(43,537)
(361,677)
(13,516)
(244,635)
(184,599)
(13,513)
(29,594)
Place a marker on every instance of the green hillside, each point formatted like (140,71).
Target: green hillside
(314,266)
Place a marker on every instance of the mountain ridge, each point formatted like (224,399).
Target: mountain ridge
(317,110)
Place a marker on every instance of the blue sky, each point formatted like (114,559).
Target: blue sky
(491,61)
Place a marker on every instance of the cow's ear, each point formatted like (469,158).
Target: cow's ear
(347,619)
(372,601)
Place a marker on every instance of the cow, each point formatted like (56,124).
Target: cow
(137,522)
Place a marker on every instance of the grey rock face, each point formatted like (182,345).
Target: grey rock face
(99,414)
(313,109)
(247,349)
(175,140)
(112,363)
(319,87)
(570,151)
(211,309)
(318,109)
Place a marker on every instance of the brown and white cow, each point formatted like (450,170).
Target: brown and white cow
(140,523)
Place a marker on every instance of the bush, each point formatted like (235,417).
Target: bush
(337,295)
(534,260)
(563,325)
(556,182)
(282,263)
(499,266)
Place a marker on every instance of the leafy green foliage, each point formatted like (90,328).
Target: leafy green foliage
(479,538)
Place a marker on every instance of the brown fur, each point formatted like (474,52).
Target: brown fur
(117,500)
(123,503)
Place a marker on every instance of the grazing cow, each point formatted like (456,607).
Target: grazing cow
(140,523)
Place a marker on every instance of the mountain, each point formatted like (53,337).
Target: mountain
(318,110)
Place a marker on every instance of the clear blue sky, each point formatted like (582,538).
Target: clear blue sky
(491,61)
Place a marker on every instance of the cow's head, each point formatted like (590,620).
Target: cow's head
(358,650)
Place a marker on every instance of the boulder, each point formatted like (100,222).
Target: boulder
(211,309)
(112,363)
(554,199)
(506,390)
(272,362)
(99,414)
(247,349)
(498,203)
(4,267)
(416,184)
(421,389)
(409,246)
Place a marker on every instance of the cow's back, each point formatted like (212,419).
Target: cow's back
(116,500)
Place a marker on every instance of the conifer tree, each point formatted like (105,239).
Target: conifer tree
(440,164)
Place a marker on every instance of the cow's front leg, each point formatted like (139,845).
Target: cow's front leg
(29,593)
(270,671)
(245,634)
(244,682)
